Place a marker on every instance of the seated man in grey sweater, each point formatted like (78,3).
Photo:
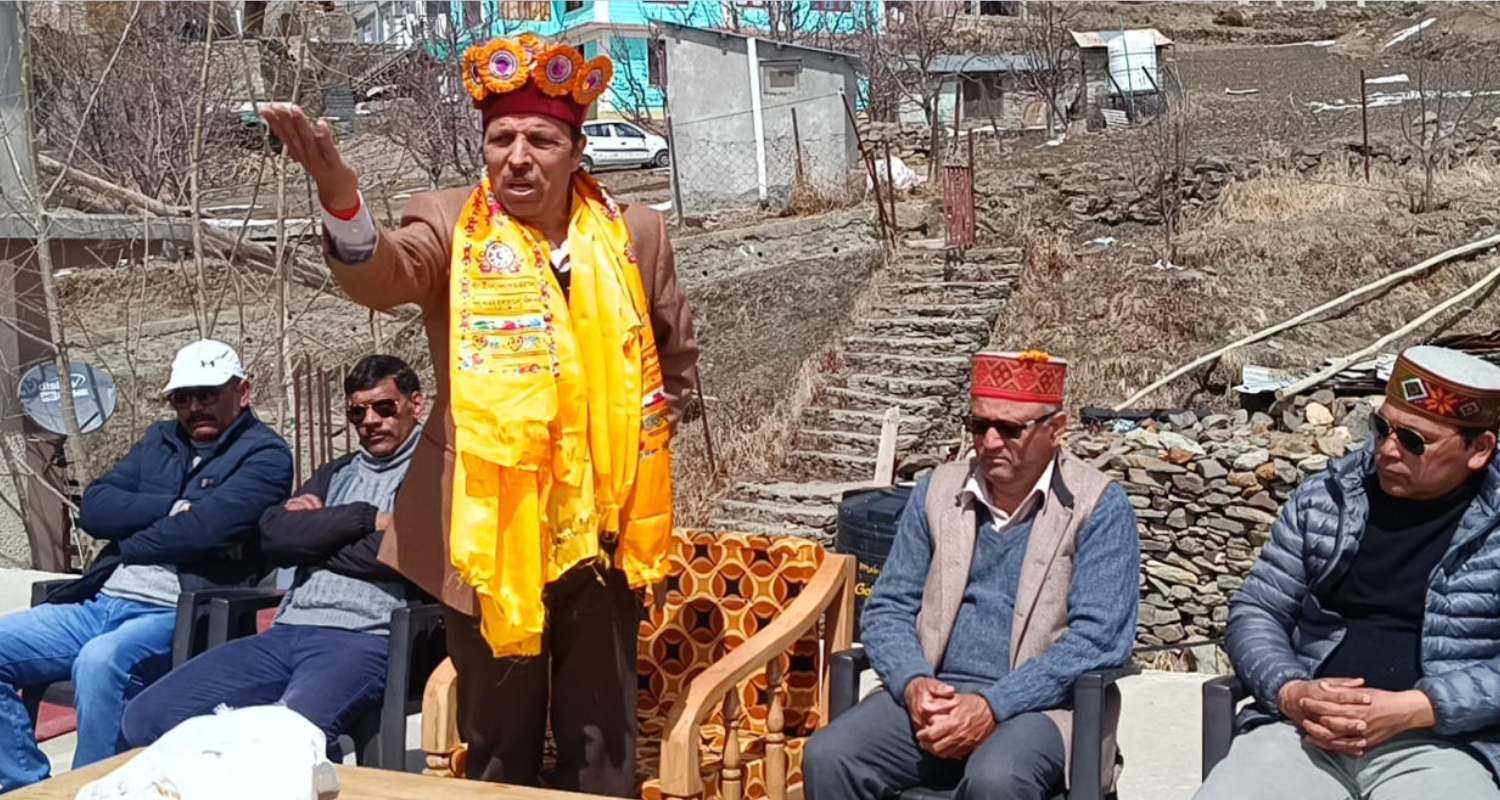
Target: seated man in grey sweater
(1011,574)
(325,655)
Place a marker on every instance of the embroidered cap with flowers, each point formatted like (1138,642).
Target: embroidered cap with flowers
(1027,377)
(1446,386)
(524,75)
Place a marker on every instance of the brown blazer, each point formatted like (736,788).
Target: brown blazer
(410,265)
(1041,615)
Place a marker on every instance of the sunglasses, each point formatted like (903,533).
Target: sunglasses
(980,426)
(1406,437)
(182,399)
(385,408)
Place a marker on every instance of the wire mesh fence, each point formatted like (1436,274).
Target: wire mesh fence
(801,149)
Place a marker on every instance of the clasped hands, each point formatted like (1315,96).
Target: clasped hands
(1342,715)
(948,724)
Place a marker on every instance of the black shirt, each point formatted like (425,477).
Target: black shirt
(1383,593)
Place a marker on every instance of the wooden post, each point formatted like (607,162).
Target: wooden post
(797,143)
(890,186)
(971,149)
(312,420)
(296,424)
(886,229)
(676,182)
(885,456)
(708,436)
(1364,123)
(730,776)
(775,767)
(323,412)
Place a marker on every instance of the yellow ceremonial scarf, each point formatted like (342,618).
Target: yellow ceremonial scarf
(559,415)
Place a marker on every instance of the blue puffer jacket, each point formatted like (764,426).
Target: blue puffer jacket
(1279,631)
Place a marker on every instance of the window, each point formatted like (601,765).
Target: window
(596,131)
(532,10)
(473,13)
(779,77)
(981,97)
(627,132)
(833,6)
(656,63)
(569,6)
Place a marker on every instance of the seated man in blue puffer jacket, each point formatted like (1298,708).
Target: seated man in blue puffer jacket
(1369,629)
(180,513)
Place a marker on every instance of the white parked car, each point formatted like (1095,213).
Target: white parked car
(621,144)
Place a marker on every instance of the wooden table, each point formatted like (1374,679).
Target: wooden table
(355,783)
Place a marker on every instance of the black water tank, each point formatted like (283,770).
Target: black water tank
(866,528)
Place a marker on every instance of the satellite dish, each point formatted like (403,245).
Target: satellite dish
(94,396)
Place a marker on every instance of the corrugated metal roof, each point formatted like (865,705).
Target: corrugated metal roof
(765,40)
(1090,39)
(965,64)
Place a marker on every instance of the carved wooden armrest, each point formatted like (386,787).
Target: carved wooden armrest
(831,590)
(440,741)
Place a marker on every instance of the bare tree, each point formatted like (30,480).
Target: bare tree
(900,52)
(1044,38)
(431,120)
(1159,162)
(1447,97)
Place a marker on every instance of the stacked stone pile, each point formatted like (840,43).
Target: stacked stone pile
(1206,492)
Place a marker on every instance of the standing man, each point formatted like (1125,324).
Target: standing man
(1368,630)
(1011,574)
(325,655)
(540,498)
(179,512)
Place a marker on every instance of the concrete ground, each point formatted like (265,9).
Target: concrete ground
(1158,723)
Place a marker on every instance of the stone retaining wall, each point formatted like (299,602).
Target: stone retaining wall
(1206,492)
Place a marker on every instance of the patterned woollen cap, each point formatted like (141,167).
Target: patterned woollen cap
(1028,377)
(1446,386)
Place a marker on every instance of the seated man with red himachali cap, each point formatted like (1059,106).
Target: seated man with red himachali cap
(1012,573)
(539,500)
(1368,630)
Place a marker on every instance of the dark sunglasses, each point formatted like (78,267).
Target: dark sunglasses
(1406,437)
(182,399)
(979,426)
(385,408)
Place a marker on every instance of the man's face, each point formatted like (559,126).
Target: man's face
(1018,449)
(206,411)
(383,417)
(1445,462)
(531,159)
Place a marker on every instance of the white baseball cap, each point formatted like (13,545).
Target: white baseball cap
(204,363)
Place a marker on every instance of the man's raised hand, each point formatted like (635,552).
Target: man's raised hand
(312,146)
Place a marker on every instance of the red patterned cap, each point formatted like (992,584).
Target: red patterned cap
(1028,377)
(1446,386)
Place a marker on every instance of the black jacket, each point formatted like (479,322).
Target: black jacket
(340,539)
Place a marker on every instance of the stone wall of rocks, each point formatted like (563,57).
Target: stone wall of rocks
(1206,492)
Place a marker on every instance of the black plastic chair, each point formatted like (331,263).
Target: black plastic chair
(1088,724)
(417,646)
(190,636)
(1221,701)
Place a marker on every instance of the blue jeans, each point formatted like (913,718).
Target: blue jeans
(111,649)
(328,675)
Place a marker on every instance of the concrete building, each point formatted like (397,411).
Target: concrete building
(732,99)
(989,93)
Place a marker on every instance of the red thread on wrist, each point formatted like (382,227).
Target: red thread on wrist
(345,214)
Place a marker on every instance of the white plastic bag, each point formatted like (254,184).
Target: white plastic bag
(903,176)
(250,753)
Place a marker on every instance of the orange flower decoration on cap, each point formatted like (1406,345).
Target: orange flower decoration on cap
(1037,356)
(592,80)
(505,65)
(557,70)
(532,45)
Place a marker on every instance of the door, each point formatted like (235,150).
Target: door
(632,144)
(603,147)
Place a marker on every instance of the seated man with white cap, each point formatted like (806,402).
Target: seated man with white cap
(1011,575)
(1368,630)
(180,513)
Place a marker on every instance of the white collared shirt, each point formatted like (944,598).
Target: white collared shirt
(980,489)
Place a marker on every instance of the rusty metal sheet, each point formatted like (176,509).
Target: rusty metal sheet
(958,206)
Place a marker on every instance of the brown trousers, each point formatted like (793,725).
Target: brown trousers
(587,670)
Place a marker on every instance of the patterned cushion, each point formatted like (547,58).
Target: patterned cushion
(721,589)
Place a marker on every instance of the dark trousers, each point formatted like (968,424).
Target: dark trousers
(870,753)
(587,670)
(328,675)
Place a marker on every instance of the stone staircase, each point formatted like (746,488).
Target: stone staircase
(909,352)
